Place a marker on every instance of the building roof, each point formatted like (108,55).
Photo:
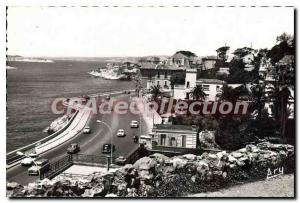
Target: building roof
(160,67)
(210,81)
(175,127)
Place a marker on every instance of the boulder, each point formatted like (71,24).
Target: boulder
(111,195)
(191,157)
(144,163)
(12,185)
(159,158)
(236,154)
(179,163)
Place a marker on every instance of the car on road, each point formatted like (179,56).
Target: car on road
(87,130)
(42,165)
(28,161)
(121,133)
(107,148)
(121,160)
(134,124)
(73,149)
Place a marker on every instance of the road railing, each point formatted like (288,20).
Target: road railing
(12,157)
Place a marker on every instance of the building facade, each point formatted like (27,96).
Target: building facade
(176,136)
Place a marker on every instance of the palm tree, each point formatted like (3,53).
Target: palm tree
(155,91)
(229,94)
(198,93)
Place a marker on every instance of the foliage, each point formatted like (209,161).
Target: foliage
(198,93)
(186,53)
(155,91)
(284,47)
(241,52)
(238,74)
(222,52)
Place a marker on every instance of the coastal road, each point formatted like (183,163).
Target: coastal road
(91,144)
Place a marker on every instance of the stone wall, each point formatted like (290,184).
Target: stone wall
(161,176)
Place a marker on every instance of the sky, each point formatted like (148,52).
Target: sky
(135,31)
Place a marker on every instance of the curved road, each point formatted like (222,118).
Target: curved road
(91,144)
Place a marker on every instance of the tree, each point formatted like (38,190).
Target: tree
(186,53)
(198,93)
(284,47)
(222,52)
(241,52)
(155,91)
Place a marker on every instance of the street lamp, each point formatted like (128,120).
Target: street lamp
(111,138)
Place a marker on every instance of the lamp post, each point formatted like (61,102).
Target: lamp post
(111,138)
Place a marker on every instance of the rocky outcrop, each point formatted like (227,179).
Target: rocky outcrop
(161,176)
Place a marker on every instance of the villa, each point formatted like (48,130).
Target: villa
(174,138)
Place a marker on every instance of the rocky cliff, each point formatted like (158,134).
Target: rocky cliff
(161,176)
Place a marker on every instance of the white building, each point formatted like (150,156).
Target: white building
(183,91)
(175,136)
(212,87)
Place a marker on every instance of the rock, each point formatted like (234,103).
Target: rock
(111,195)
(179,163)
(231,159)
(191,157)
(159,158)
(243,150)
(236,154)
(12,185)
(221,154)
(144,163)
(94,192)
(212,156)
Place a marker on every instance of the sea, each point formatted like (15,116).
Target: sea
(31,86)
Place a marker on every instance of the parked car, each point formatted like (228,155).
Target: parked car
(135,138)
(121,133)
(42,165)
(107,148)
(28,161)
(134,124)
(73,149)
(121,160)
(87,130)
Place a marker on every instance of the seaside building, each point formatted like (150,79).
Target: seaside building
(174,138)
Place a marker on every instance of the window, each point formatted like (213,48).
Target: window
(166,75)
(166,82)
(183,140)
(157,82)
(187,84)
(218,88)
(158,75)
(162,139)
(172,142)
(205,87)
